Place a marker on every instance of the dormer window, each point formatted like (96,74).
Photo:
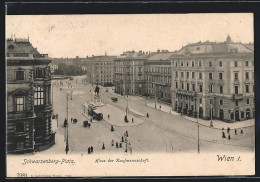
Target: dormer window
(10,47)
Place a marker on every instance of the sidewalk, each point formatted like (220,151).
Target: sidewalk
(217,124)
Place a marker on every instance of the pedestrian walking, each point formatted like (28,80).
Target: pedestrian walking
(147,115)
(112,128)
(116,144)
(235,131)
(103,147)
(223,135)
(108,116)
(120,145)
(71,119)
(112,143)
(91,120)
(122,139)
(91,149)
(126,133)
(160,106)
(228,129)
(241,131)
(229,137)
(132,120)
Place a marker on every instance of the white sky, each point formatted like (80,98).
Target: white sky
(82,35)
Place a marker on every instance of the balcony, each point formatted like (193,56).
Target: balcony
(237,96)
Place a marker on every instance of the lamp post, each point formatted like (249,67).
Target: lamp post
(155,97)
(127,109)
(211,106)
(67,124)
(198,126)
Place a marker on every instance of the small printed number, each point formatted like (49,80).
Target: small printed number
(21,175)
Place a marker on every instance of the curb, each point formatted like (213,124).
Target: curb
(187,118)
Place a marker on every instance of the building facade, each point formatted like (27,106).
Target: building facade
(29,107)
(215,78)
(158,76)
(100,70)
(130,73)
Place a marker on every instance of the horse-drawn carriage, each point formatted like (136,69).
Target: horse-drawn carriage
(86,124)
(114,99)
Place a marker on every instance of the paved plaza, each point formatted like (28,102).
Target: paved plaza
(164,130)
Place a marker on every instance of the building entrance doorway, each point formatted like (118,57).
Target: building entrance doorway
(200,112)
(221,114)
(248,113)
(237,115)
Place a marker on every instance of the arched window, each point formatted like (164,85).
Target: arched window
(199,63)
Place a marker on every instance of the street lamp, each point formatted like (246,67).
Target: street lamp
(155,97)
(66,123)
(196,114)
(127,109)
(211,105)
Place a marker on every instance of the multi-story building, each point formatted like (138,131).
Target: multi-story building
(130,73)
(100,70)
(215,78)
(29,107)
(158,76)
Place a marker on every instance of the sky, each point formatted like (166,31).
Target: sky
(87,35)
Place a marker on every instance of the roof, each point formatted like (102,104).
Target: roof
(134,55)
(161,56)
(12,47)
(213,47)
(15,46)
(100,58)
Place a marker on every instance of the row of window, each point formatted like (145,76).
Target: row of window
(20,74)
(193,88)
(38,98)
(211,101)
(220,63)
(220,75)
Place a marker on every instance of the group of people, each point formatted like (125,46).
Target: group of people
(120,143)
(90,150)
(228,132)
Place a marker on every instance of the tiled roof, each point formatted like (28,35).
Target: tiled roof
(161,56)
(27,47)
(20,47)
(12,47)
(212,47)
(133,55)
